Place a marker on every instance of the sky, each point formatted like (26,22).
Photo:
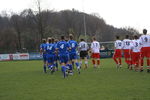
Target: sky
(119,13)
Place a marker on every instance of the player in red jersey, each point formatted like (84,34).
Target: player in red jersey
(136,48)
(95,49)
(118,52)
(145,50)
(127,43)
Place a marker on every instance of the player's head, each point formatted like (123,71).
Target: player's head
(43,40)
(144,31)
(127,36)
(56,40)
(94,39)
(49,40)
(117,37)
(136,37)
(62,37)
(53,40)
(70,36)
(82,40)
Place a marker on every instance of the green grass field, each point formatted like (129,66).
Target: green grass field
(25,80)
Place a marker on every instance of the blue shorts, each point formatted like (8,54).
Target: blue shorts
(56,57)
(64,58)
(45,57)
(50,58)
(72,56)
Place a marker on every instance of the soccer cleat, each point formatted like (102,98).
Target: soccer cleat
(117,66)
(120,66)
(78,68)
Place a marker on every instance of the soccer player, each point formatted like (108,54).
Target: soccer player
(83,49)
(73,53)
(127,43)
(118,54)
(145,50)
(54,42)
(95,49)
(43,53)
(136,48)
(63,47)
(50,50)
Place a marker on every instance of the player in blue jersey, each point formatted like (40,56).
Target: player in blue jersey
(73,53)
(50,50)
(63,47)
(43,53)
(55,54)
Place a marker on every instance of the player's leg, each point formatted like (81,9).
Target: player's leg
(81,59)
(125,56)
(45,62)
(148,59)
(63,65)
(142,57)
(85,60)
(75,59)
(115,58)
(93,60)
(98,59)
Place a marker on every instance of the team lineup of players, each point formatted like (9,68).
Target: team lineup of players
(134,51)
(65,53)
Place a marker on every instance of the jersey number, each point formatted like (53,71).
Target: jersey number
(62,46)
(73,45)
(119,43)
(49,48)
(127,43)
(145,39)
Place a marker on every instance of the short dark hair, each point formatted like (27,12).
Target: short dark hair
(144,31)
(94,38)
(136,37)
(82,39)
(71,36)
(53,40)
(49,40)
(117,37)
(62,37)
(43,40)
(127,36)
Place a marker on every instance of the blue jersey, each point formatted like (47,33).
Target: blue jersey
(50,48)
(43,46)
(73,45)
(63,47)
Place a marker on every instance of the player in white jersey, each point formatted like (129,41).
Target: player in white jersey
(95,49)
(136,49)
(127,43)
(145,50)
(118,52)
(83,49)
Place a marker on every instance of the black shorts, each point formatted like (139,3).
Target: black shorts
(83,54)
